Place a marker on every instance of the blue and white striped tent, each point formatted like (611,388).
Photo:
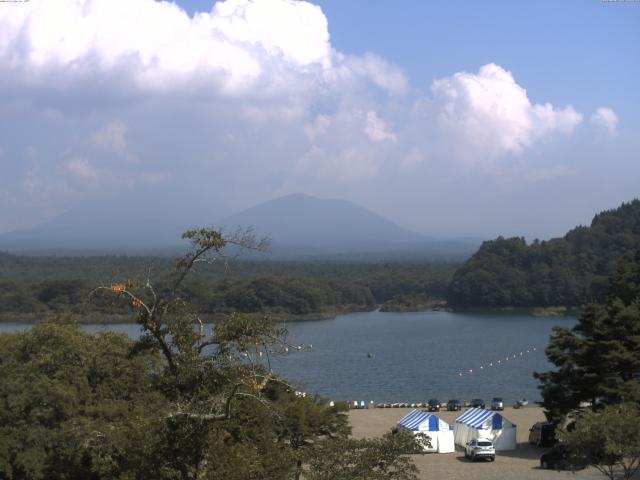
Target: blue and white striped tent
(481,423)
(439,432)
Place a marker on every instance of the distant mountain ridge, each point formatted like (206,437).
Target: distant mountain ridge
(567,271)
(321,225)
(300,227)
(85,235)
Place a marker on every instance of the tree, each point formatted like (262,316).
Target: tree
(74,405)
(224,418)
(609,440)
(182,402)
(365,459)
(598,360)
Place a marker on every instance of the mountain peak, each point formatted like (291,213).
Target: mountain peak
(297,224)
(300,219)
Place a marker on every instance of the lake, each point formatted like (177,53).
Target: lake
(411,357)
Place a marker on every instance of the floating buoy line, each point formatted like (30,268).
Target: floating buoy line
(498,362)
(293,348)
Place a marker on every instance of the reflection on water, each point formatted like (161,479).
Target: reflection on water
(410,357)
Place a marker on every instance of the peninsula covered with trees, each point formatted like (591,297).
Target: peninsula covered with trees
(568,271)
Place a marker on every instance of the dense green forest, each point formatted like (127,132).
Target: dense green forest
(568,271)
(506,272)
(31,287)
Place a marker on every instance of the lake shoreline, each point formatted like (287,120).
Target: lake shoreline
(551,311)
(95,318)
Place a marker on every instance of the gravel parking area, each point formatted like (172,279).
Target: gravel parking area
(522,463)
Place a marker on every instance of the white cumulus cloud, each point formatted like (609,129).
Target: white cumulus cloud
(493,115)
(372,67)
(349,145)
(607,119)
(376,129)
(235,48)
(296,30)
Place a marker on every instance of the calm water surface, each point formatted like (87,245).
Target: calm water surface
(411,357)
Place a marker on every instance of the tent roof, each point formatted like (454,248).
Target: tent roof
(480,418)
(418,418)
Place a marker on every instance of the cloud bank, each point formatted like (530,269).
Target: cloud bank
(240,47)
(135,96)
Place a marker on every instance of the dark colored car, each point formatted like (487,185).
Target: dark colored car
(543,434)
(558,459)
(454,405)
(477,403)
(433,405)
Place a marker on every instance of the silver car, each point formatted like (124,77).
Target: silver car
(479,448)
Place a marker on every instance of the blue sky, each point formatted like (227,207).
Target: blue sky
(450,118)
(576,51)
(569,51)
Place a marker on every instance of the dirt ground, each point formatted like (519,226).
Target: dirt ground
(522,463)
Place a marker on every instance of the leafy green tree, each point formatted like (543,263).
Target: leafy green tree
(74,405)
(609,440)
(598,360)
(383,458)
(182,402)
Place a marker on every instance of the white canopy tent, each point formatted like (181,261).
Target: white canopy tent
(439,431)
(480,423)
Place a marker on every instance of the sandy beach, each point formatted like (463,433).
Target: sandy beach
(522,463)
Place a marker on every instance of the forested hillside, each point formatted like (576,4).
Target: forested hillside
(35,287)
(566,271)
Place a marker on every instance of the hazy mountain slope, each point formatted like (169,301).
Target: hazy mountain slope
(300,227)
(562,271)
(98,230)
(320,225)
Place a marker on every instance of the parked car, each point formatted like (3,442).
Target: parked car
(454,405)
(433,405)
(479,448)
(497,403)
(558,458)
(543,434)
(477,403)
